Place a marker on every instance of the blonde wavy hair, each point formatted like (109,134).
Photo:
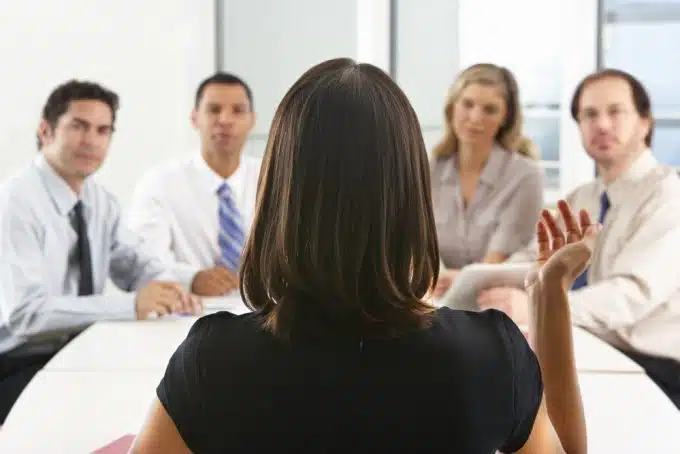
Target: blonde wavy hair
(509,135)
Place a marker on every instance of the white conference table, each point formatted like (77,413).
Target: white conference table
(139,345)
(99,387)
(148,345)
(78,412)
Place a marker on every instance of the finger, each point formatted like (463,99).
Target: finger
(181,296)
(543,238)
(574,232)
(483,297)
(170,298)
(556,235)
(584,220)
(197,304)
(226,280)
(187,306)
(590,236)
(190,304)
(161,309)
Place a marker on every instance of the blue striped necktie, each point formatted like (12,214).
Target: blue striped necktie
(582,281)
(231,237)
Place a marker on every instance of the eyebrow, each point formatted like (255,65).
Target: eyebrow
(236,104)
(488,103)
(608,106)
(88,123)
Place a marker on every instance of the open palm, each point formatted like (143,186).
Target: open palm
(563,252)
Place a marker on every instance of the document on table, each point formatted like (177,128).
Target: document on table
(231,302)
(474,278)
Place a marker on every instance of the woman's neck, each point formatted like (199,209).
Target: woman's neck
(472,159)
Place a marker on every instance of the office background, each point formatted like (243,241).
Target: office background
(154,55)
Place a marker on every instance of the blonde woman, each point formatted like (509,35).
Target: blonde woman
(487,187)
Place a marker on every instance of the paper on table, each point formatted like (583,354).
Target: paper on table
(231,303)
(474,278)
(120,446)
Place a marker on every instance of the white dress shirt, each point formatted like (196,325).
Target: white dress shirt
(632,299)
(39,300)
(175,209)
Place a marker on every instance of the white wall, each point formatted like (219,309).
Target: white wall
(427,60)
(270,51)
(152,53)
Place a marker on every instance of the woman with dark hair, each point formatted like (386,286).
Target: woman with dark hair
(342,352)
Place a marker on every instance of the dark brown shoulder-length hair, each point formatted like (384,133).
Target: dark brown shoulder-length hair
(344,227)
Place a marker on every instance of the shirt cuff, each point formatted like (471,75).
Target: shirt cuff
(184,274)
(580,315)
(120,307)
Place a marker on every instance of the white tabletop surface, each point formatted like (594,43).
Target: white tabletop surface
(138,345)
(77,412)
(594,355)
(148,345)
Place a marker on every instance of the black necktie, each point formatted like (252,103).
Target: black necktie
(85,286)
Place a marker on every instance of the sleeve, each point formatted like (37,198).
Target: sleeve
(26,306)
(635,287)
(529,252)
(149,217)
(181,390)
(133,265)
(527,383)
(519,216)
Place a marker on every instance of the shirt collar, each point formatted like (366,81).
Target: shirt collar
(63,197)
(215,181)
(619,189)
(490,173)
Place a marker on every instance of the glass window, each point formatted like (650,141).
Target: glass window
(432,135)
(613,5)
(545,132)
(641,37)
(666,144)
(551,175)
(426,49)
(538,72)
(649,52)
(504,40)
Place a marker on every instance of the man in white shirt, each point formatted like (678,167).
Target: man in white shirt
(195,212)
(61,239)
(630,295)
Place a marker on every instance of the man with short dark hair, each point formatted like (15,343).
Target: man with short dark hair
(630,295)
(195,212)
(61,238)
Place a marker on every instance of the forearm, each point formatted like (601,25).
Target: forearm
(494,257)
(44,315)
(133,268)
(551,338)
(618,302)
